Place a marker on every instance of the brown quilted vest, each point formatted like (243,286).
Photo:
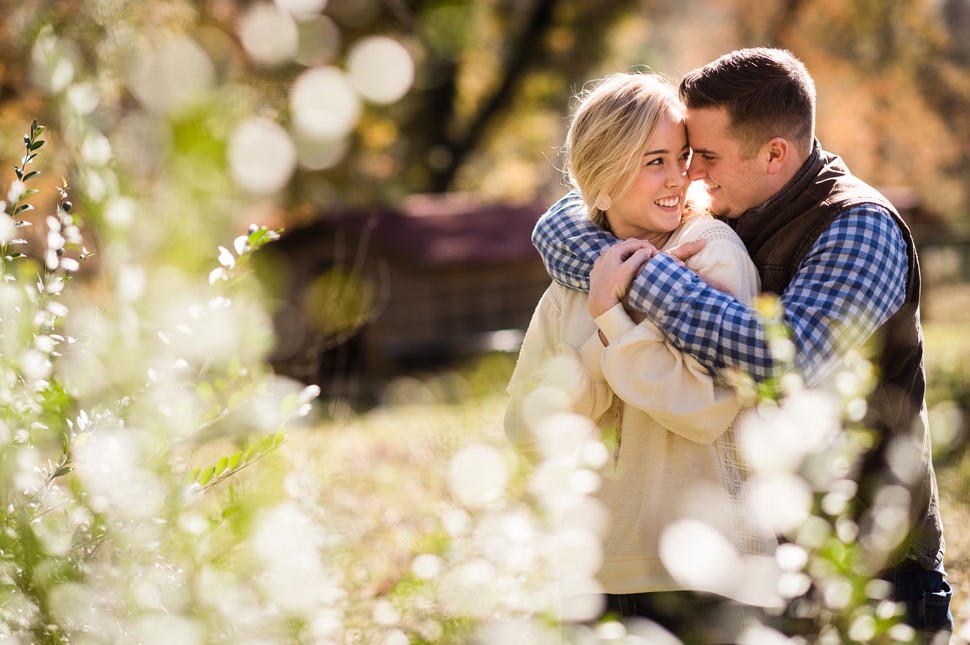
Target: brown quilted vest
(778,235)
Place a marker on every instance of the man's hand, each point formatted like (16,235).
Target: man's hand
(687,250)
(613,272)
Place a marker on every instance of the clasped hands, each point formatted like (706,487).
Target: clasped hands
(614,271)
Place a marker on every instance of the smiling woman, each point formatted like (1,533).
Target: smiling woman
(651,207)
(670,428)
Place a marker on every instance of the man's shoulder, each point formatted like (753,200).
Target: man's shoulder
(868,224)
(866,213)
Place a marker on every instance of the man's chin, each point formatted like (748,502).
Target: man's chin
(719,210)
(722,210)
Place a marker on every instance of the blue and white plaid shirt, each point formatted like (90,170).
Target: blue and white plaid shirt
(852,280)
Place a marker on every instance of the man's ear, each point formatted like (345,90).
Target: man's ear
(776,153)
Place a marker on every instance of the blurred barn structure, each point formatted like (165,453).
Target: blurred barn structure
(367,294)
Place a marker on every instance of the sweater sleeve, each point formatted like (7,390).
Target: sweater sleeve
(649,373)
(552,377)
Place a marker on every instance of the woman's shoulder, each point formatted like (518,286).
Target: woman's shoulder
(705,226)
(562,297)
(724,257)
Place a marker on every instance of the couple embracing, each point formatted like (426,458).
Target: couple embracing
(653,303)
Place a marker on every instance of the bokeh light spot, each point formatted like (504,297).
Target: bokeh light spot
(698,556)
(268,34)
(262,156)
(170,77)
(477,475)
(381,69)
(324,104)
(300,8)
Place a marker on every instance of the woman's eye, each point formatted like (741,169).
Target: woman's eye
(655,162)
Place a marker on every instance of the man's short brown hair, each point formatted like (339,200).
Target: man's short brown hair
(767,93)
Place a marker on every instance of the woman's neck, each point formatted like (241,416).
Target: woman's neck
(657,238)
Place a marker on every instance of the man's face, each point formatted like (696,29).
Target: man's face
(733,182)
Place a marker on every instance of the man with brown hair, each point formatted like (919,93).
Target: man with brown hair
(833,249)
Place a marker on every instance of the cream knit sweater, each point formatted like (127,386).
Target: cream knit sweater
(677,457)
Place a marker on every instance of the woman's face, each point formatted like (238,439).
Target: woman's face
(653,205)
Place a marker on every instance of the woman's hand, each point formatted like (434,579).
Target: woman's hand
(613,272)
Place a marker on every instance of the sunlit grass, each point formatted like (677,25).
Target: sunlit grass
(380,482)
(948,362)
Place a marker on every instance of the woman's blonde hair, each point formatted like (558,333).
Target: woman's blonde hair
(611,126)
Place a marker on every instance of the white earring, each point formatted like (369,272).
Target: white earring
(604,202)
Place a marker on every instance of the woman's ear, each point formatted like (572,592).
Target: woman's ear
(776,153)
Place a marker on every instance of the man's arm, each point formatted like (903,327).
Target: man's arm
(850,282)
(569,242)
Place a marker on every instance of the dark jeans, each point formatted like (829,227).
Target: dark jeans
(695,618)
(705,619)
(927,597)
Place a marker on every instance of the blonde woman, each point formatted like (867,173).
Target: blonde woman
(674,455)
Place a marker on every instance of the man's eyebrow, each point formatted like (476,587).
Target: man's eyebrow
(704,151)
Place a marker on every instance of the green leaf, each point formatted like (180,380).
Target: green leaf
(222,465)
(62,470)
(237,398)
(206,476)
(30,192)
(205,391)
(30,175)
(22,208)
(235,460)
(36,145)
(39,130)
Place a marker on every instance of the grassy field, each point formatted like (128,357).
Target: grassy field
(383,479)
(948,363)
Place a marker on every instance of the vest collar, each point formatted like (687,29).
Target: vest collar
(759,215)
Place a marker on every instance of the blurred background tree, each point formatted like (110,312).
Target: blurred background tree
(492,81)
